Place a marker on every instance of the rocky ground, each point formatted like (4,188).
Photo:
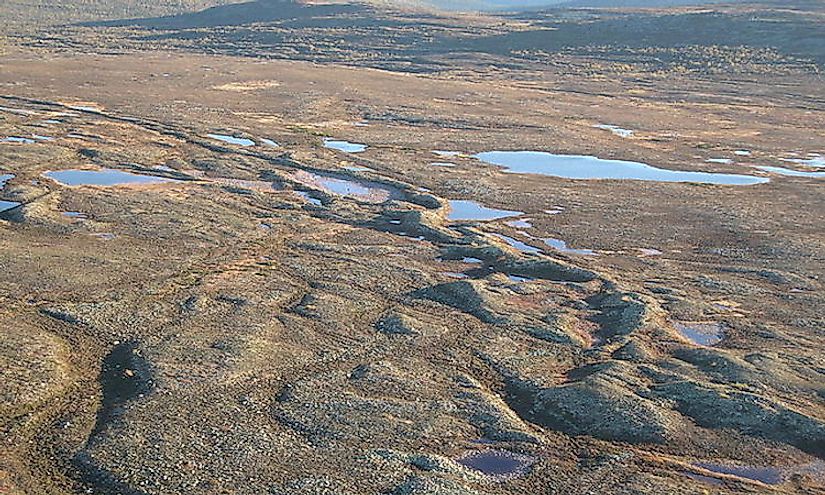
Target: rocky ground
(295,319)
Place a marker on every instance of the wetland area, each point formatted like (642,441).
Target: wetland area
(302,247)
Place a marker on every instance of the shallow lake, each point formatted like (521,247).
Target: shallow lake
(102,177)
(363,190)
(590,167)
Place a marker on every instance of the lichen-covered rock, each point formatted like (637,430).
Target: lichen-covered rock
(554,270)
(606,403)
(396,323)
(494,418)
(724,407)
(420,485)
(469,296)
(618,313)
(315,485)
(33,366)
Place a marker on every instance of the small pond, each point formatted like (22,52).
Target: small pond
(238,141)
(705,334)
(344,146)
(497,464)
(464,210)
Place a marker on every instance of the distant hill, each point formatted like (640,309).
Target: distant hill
(534,4)
(19,15)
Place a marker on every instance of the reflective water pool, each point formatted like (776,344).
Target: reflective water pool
(813,160)
(464,210)
(519,224)
(75,215)
(705,334)
(618,131)
(792,173)
(650,252)
(590,167)
(102,177)
(17,111)
(358,168)
(446,154)
(363,190)
(561,246)
(517,244)
(345,146)
(767,475)
(17,139)
(309,199)
(498,464)
(239,141)
(6,205)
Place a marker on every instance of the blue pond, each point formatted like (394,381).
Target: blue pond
(358,168)
(519,224)
(344,146)
(345,187)
(6,205)
(498,464)
(618,131)
(590,167)
(102,177)
(232,139)
(470,210)
(447,154)
(16,139)
(309,199)
(705,334)
(517,244)
(561,246)
(767,475)
(813,160)
(792,173)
